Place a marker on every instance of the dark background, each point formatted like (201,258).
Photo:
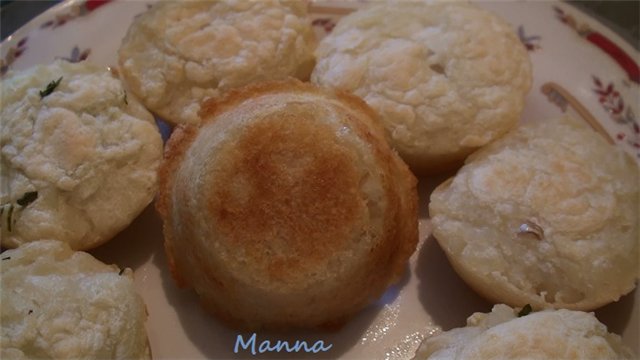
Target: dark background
(621,16)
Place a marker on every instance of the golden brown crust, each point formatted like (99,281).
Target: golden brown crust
(263,156)
(286,207)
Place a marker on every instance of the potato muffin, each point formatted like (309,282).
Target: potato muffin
(505,333)
(62,304)
(446,77)
(79,155)
(286,208)
(180,52)
(547,216)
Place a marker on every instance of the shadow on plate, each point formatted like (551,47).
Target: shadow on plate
(134,245)
(618,315)
(443,294)
(426,186)
(215,340)
(449,301)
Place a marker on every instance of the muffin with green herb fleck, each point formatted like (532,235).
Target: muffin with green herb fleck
(62,304)
(78,155)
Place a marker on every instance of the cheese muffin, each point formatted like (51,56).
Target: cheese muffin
(505,333)
(180,52)
(78,155)
(62,304)
(446,77)
(547,216)
(286,208)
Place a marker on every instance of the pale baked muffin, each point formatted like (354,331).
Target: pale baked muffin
(180,52)
(286,208)
(78,155)
(506,334)
(445,77)
(547,216)
(61,304)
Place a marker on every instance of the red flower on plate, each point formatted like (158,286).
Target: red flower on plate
(75,11)
(605,44)
(13,53)
(611,101)
(325,23)
(94,4)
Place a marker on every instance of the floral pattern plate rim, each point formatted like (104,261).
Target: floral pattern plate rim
(580,67)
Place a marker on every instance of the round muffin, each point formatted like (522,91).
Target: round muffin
(79,156)
(180,52)
(61,304)
(286,208)
(445,77)
(505,334)
(547,216)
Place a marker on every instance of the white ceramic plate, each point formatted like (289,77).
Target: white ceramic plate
(580,67)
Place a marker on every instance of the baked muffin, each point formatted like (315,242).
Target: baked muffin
(286,208)
(78,155)
(61,304)
(505,334)
(180,52)
(547,216)
(446,77)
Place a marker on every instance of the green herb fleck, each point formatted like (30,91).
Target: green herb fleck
(121,272)
(526,310)
(9,217)
(126,102)
(30,311)
(6,258)
(50,87)
(27,198)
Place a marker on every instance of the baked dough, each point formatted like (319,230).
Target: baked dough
(446,77)
(180,52)
(61,304)
(286,208)
(547,216)
(549,334)
(78,164)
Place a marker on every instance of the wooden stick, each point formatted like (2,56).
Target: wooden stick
(552,89)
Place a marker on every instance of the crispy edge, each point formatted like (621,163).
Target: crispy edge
(214,106)
(404,237)
(175,150)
